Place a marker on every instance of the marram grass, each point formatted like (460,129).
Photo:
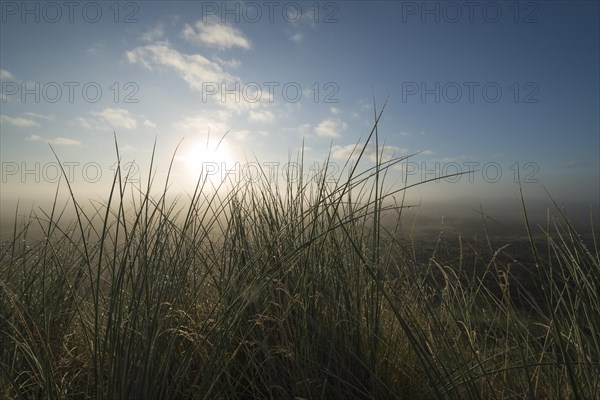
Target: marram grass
(299,293)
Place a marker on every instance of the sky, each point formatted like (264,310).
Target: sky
(494,88)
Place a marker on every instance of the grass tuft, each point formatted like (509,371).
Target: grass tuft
(305,293)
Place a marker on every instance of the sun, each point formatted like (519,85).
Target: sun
(210,158)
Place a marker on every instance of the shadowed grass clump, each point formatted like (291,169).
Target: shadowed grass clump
(293,293)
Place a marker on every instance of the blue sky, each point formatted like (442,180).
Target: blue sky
(479,85)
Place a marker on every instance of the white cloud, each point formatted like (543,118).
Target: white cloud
(193,68)
(95,49)
(304,149)
(216,34)
(571,164)
(126,148)
(298,37)
(81,122)
(457,159)
(198,71)
(352,151)
(242,102)
(117,118)
(39,116)
(303,130)
(4,74)
(149,124)
(261,116)
(59,141)
(246,134)
(233,63)
(18,121)
(576,164)
(154,34)
(406,133)
(335,110)
(202,124)
(331,127)
(345,152)
(242,134)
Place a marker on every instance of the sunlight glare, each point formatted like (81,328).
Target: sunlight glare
(208,157)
